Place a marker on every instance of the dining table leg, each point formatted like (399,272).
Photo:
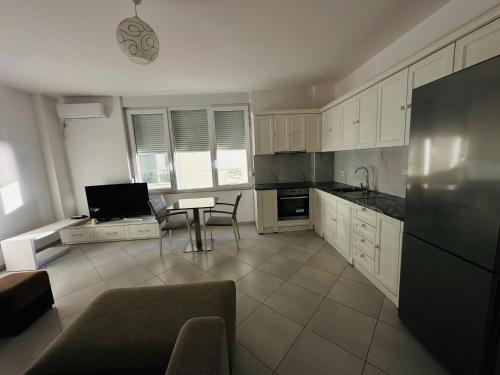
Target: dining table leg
(197,232)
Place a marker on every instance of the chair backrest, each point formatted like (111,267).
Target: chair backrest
(159,207)
(235,209)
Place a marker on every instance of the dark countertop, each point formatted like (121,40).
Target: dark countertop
(387,204)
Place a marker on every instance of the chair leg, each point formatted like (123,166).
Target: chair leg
(236,236)
(237,228)
(205,235)
(190,237)
(161,235)
(170,236)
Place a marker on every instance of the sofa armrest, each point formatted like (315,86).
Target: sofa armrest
(200,349)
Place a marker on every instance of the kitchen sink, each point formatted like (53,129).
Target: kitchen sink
(348,189)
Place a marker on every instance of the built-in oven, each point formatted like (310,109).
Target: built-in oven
(293,204)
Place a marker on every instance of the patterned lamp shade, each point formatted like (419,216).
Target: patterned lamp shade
(137,40)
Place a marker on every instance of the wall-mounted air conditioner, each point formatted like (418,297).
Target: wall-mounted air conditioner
(84,110)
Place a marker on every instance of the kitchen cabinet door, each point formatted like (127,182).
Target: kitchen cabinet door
(349,124)
(387,252)
(343,229)
(367,124)
(433,67)
(263,135)
(281,136)
(313,133)
(331,131)
(477,46)
(329,217)
(318,202)
(268,209)
(392,110)
(297,132)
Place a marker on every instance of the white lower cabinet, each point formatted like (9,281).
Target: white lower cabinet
(336,223)
(266,211)
(376,249)
(318,199)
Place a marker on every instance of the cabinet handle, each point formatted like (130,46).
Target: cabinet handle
(77,235)
(363,209)
(363,225)
(377,247)
(408,106)
(403,107)
(111,232)
(143,230)
(361,255)
(362,240)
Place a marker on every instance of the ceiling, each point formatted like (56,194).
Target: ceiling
(68,47)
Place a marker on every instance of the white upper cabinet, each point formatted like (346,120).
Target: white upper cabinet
(313,132)
(349,110)
(281,138)
(388,252)
(263,135)
(392,110)
(367,119)
(478,46)
(331,123)
(433,67)
(297,132)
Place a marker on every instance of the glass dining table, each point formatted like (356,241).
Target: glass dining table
(196,204)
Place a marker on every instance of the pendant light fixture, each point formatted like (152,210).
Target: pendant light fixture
(137,39)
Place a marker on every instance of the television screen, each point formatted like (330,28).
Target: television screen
(117,201)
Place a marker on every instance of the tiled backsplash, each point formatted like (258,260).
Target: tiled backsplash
(387,167)
(282,168)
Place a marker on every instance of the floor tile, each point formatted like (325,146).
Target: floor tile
(328,263)
(155,281)
(372,370)
(295,302)
(258,284)
(231,270)
(244,306)
(181,274)
(329,249)
(66,322)
(397,352)
(343,326)
(296,253)
(164,263)
(271,246)
(353,274)
(206,277)
(267,335)
(76,302)
(389,314)
(129,278)
(69,269)
(245,363)
(77,282)
(313,243)
(209,260)
(254,257)
(280,266)
(110,270)
(361,297)
(312,354)
(313,279)
(100,259)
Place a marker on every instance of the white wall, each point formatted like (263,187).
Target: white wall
(50,128)
(96,149)
(292,98)
(21,160)
(185,100)
(446,19)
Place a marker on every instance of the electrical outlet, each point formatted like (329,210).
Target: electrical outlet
(342,173)
(404,172)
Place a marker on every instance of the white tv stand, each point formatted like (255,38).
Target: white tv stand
(136,228)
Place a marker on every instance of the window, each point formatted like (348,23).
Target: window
(203,148)
(151,148)
(193,162)
(231,141)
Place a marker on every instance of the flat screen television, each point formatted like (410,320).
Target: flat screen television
(108,202)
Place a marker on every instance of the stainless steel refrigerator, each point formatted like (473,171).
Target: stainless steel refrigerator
(449,286)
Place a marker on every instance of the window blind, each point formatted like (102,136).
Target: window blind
(190,129)
(149,133)
(230,130)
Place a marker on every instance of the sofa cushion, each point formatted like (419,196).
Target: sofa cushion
(18,289)
(134,330)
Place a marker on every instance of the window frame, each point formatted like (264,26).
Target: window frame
(167,121)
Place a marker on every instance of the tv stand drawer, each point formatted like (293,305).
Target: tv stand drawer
(111,232)
(76,235)
(143,231)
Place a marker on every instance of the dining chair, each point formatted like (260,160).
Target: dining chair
(228,219)
(170,220)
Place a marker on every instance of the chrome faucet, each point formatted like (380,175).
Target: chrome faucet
(367,186)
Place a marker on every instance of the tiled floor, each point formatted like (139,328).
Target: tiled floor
(301,309)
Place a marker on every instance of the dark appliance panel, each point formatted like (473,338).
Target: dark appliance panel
(447,304)
(293,204)
(453,185)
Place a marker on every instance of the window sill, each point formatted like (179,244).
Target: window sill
(204,190)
